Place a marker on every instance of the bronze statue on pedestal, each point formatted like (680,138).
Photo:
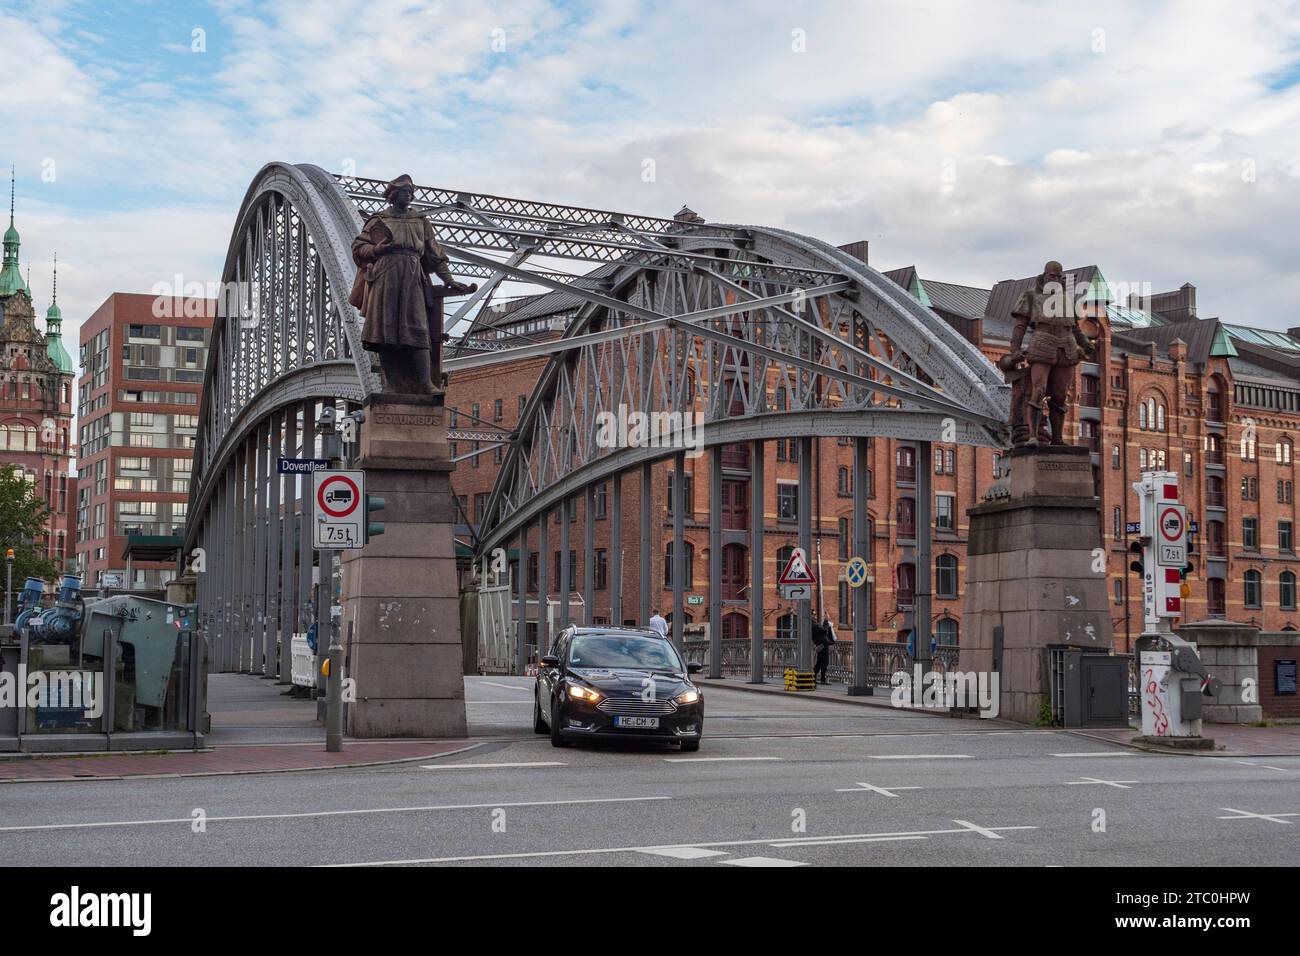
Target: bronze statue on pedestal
(1048,316)
(395,253)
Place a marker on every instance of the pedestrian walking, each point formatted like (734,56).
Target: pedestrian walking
(658,623)
(823,636)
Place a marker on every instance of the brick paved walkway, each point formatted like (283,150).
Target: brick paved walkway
(255,729)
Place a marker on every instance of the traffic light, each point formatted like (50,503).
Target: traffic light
(1185,589)
(1136,565)
(373,528)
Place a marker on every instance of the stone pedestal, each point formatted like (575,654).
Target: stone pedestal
(1230,652)
(401,620)
(1032,570)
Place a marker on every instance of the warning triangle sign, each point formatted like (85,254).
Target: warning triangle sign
(797,570)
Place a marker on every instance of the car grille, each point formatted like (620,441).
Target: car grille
(635,707)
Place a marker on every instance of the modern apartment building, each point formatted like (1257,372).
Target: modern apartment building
(142,364)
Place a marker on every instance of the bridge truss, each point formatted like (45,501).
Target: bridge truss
(748,333)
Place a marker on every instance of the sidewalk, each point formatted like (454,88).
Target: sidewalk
(838,693)
(255,729)
(1230,740)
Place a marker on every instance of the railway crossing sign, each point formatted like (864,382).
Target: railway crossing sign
(796,580)
(338,498)
(856,572)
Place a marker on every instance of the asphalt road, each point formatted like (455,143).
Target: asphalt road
(779,781)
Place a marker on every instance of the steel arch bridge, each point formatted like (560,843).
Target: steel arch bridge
(755,332)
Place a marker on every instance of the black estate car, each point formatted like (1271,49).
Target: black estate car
(617,682)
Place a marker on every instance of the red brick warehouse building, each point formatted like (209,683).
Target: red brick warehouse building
(36,399)
(142,361)
(1217,402)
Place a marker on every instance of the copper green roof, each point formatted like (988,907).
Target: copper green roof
(1222,344)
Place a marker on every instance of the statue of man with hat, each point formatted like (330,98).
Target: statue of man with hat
(1046,334)
(395,253)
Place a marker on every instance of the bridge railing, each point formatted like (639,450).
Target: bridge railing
(883,659)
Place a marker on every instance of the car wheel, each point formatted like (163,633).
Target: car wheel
(690,746)
(539,725)
(556,739)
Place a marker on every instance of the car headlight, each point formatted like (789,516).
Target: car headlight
(688,697)
(578,692)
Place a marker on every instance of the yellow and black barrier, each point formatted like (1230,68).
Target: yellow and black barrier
(799,680)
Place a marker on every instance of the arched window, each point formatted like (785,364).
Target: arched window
(1252,595)
(734,626)
(945,576)
(1286,591)
(1214,491)
(905,514)
(1283,450)
(688,577)
(1215,597)
(734,563)
(1160,418)
(950,460)
(845,482)
(1142,416)
(785,626)
(946,631)
(906,585)
(1142,459)
(1214,542)
(845,530)
(1114,456)
(1216,405)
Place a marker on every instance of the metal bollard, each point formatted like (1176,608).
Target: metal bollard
(334,699)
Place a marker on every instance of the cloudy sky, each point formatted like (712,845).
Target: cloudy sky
(1160,141)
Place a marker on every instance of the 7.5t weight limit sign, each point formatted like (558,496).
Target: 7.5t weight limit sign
(1171,535)
(339,501)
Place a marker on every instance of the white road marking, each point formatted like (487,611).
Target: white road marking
(888,839)
(326,813)
(685,852)
(715,759)
(1117,784)
(1097,753)
(492,683)
(491,766)
(984,831)
(498,701)
(761,861)
(869,788)
(920,757)
(1278,769)
(769,841)
(1247,815)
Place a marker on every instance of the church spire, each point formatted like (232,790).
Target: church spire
(54,328)
(11,278)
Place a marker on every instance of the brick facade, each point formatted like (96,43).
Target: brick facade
(1183,396)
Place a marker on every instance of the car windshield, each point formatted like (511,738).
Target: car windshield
(620,650)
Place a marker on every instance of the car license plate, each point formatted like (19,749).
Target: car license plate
(637,723)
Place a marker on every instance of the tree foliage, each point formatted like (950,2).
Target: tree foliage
(23,518)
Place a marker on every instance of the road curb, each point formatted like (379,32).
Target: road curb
(237,773)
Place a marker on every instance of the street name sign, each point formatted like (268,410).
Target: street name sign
(301,466)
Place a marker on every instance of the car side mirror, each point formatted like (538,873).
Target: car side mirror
(694,667)
(550,660)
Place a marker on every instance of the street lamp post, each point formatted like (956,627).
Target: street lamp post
(9,582)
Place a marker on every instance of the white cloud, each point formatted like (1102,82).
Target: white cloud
(973,139)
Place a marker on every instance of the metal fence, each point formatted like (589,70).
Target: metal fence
(883,660)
